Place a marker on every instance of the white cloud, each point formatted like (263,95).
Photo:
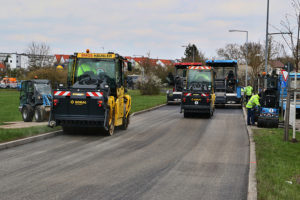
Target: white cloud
(134,26)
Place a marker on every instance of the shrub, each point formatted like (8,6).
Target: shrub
(56,76)
(149,85)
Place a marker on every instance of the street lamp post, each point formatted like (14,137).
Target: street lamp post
(246,79)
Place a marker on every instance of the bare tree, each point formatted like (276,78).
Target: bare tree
(291,24)
(38,54)
(255,58)
(231,51)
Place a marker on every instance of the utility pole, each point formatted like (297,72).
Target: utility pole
(295,87)
(193,53)
(267,48)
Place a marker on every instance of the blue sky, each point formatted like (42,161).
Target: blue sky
(135,27)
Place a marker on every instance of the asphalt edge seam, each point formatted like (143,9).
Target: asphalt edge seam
(147,110)
(252,182)
(44,136)
(27,140)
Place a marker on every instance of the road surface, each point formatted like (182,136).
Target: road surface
(161,156)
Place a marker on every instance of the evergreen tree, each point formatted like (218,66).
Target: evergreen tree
(192,54)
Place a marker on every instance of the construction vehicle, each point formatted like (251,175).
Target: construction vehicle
(198,93)
(268,112)
(226,80)
(95,96)
(174,95)
(7,82)
(35,100)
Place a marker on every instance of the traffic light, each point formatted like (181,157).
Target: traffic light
(286,67)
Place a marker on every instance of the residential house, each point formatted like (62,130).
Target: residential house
(2,67)
(15,60)
(276,65)
(61,59)
(137,62)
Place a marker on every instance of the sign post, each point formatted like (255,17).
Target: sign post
(287,105)
(283,85)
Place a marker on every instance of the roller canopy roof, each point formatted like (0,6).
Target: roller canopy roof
(221,63)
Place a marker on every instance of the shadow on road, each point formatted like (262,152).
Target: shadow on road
(88,132)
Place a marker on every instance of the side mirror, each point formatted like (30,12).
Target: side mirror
(129,66)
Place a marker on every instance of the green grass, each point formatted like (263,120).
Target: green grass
(141,102)
(277,162)
(9,102)
(13,134)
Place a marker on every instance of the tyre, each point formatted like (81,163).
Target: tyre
(39,114)
(125,122)
(111,127)
(27,113)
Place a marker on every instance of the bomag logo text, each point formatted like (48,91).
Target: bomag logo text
(78,94)
(78,103)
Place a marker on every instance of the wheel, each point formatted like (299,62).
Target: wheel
(111,127)
(39,114)
(27,113)
(125,122)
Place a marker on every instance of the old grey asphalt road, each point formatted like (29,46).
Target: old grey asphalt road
(161,156)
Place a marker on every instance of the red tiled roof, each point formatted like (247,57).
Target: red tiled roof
(166,62)
(276,64)
(66,57)
(59,56)
(152,61)
(2,66)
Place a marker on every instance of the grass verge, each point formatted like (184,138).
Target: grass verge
(14,134)
(142,102)
(277,163)
(9,101)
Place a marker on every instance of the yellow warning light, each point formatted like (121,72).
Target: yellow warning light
(87,51)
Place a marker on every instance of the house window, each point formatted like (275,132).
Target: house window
(10,61)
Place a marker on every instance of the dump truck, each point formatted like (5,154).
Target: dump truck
(174,95)
(226,81)
(95,96)
(199,93)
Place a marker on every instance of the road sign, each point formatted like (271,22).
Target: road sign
(283,84)
(285,74)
